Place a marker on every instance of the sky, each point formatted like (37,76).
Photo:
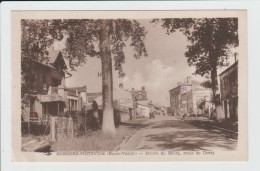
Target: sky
(164,67)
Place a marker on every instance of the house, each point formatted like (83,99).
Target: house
(83,97)
(53,97)
(143,109)
(122,103)
(91,98)
(229,91)
(186,98)
(140,95)
(176,99)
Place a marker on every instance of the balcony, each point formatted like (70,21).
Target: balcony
(54,90)
(72,92)
(58,90)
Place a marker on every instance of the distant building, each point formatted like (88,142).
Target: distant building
(140,94)
(229,91)
(140,103)
(143,109)
(185,99)
(122,99)
(83,98)
(91,98)
(176,99)
(122,103)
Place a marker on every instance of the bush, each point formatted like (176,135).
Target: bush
(37,129)
(79,121)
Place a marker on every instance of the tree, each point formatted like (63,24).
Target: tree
(95,38)
(210,43)
(36,37)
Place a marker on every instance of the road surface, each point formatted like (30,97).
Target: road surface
(170,133)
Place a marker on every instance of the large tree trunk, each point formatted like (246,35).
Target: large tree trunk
(214,82)
(108,125)
(216,101)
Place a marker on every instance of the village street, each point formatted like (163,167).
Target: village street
(171,133)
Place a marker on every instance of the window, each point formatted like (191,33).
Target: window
(32,106)
(45,108)
(33,113)
(72,104)
(44,81)
(55,82)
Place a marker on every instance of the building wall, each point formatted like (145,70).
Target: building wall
(44,86)
(44,78)
(176,99)
(198,96)
(229,92)
(143,111)
(184,100)
(43,81)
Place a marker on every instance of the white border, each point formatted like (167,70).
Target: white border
(253,86)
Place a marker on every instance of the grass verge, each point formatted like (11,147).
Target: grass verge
(96,141)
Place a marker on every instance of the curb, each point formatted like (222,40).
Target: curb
(234,132)
(127,138)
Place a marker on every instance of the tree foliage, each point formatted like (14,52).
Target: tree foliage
(85,38)
(36,37)
(82,41)
(210,42)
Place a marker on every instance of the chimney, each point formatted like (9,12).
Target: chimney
(143,88)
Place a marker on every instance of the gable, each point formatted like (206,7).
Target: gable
(56,59)
(59,62)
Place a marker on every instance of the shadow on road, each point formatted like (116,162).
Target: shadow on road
(179,135)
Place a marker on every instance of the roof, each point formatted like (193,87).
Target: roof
(80,89)
(53,54)
(230,67)
(123,98)
(144,103)
(194,84)
(53,57)
(94,94)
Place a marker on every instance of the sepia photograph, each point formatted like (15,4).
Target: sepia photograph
(115,84)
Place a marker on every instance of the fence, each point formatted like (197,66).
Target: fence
(61,127)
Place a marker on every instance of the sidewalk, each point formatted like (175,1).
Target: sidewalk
(203,121)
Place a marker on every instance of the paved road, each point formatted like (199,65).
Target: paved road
(170,133)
